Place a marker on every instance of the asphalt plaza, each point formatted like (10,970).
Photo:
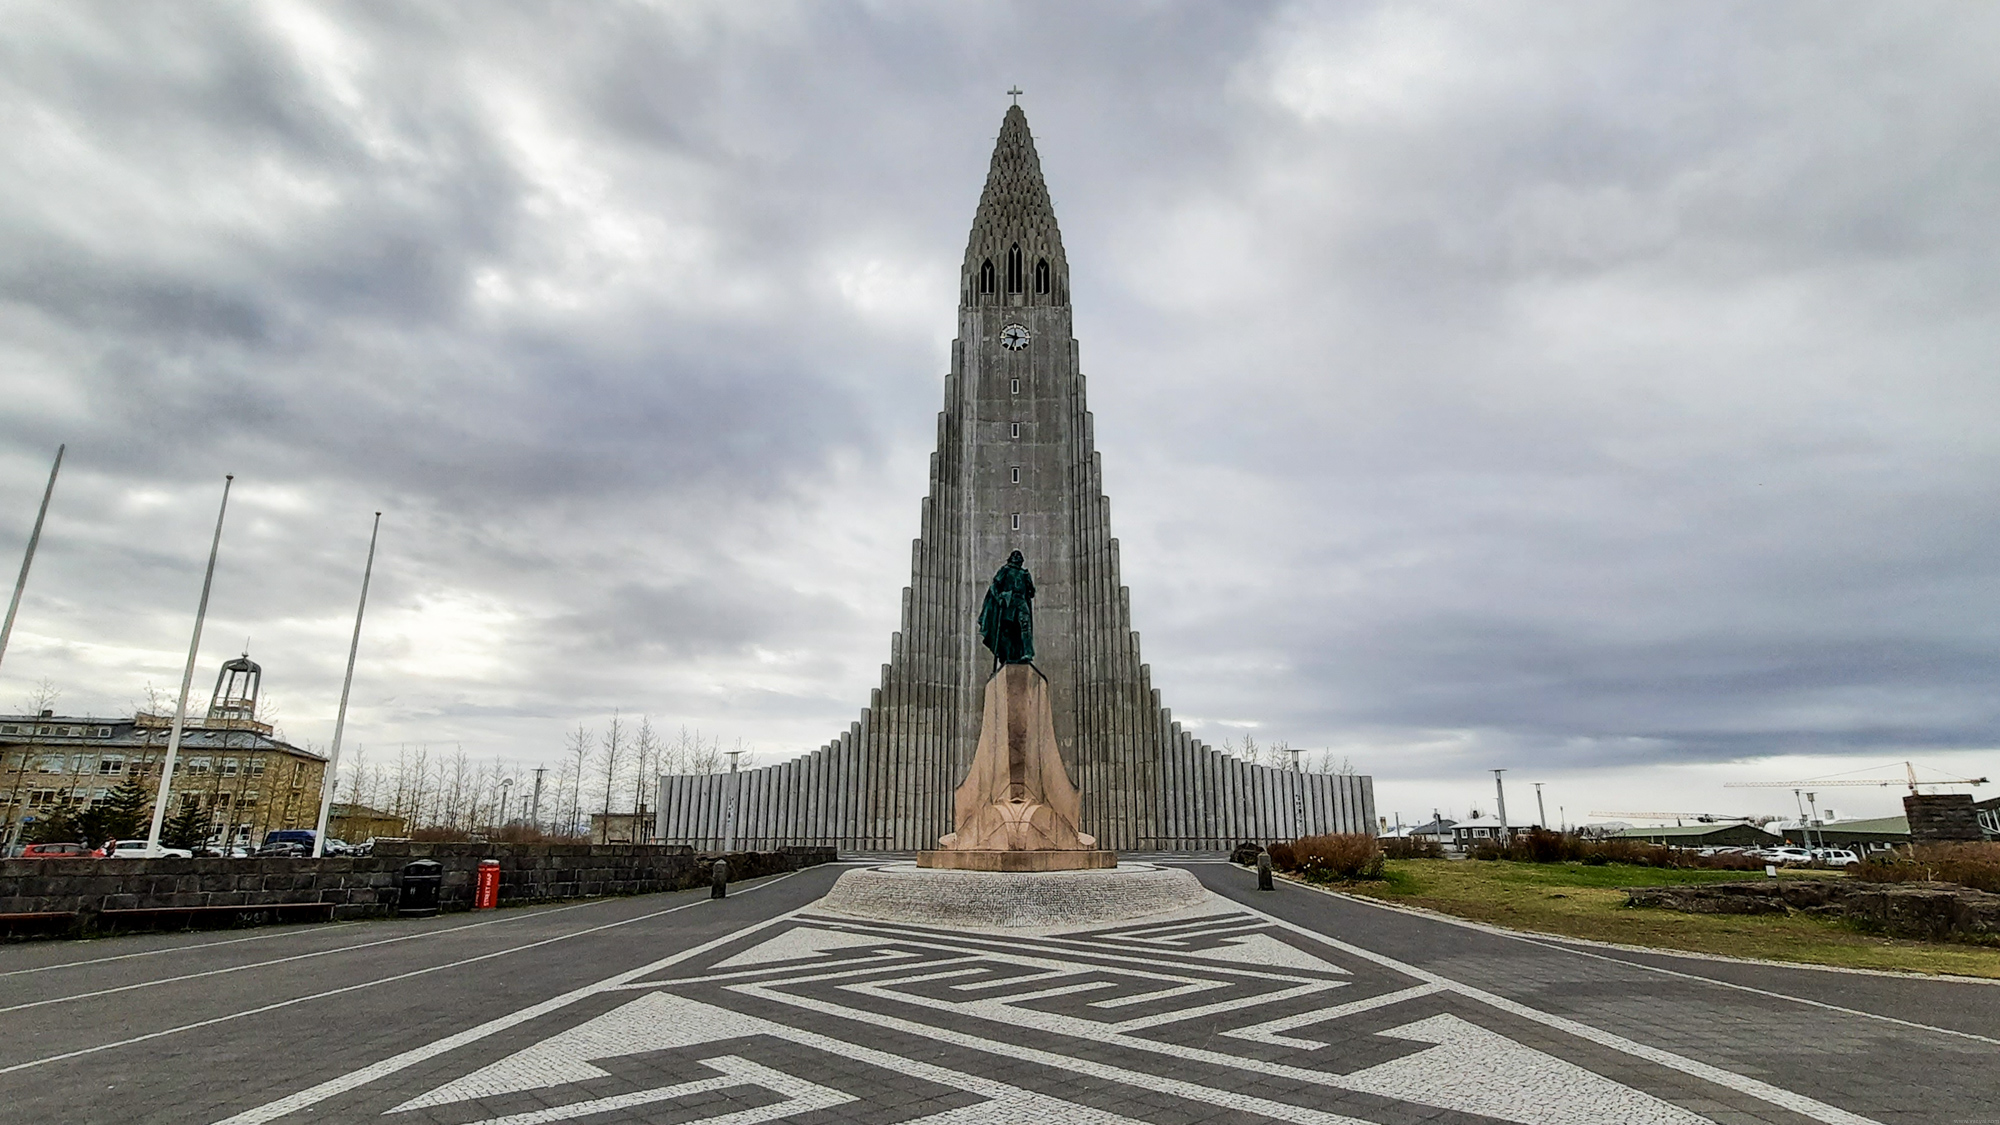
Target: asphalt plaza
(1291,1005)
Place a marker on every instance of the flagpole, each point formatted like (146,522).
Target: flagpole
(332,775)
(187,680)
(34,538)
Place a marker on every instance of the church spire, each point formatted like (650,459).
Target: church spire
(1015,254)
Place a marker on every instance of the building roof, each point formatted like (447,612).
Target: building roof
(1886,825)
(1702,828)
(142,733)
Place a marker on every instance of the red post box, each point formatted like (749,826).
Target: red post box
(486,891)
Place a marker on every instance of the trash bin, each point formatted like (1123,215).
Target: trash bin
(420,883)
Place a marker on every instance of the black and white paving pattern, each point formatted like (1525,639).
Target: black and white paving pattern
(1287,1006)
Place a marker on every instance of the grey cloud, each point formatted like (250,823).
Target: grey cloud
(1599,384)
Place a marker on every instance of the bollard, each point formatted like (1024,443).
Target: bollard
(719,874)
(1264,871)
(486,890)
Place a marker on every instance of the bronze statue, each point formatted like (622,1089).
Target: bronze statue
(1007,620)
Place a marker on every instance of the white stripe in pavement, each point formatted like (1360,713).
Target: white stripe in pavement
(1564,945)
(1761,991)
(271,1111)
(572,996)
(1727,1079)
(276,961)
(289,931)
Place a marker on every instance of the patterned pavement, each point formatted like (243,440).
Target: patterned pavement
(1249,1014)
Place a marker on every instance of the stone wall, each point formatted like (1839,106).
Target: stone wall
(1924,911)
(99,895)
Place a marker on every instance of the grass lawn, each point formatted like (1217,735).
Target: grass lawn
(1578,901)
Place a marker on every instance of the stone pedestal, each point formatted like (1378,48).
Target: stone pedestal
(1016,809)
(1007,902)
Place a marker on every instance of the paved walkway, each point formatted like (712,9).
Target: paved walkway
(1289,1006)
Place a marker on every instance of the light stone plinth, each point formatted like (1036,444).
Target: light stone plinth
(1045,859)
(1003,900)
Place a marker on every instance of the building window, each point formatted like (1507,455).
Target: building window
(10,729)
(1017,429)
(1016,470)
(1016,386)
(1017,521)
(249,800)
(1042,275)
(298,777)
(200,765)
(1014,268)
(110,764)
(257,767)
(51,764)
(229,767)
(104,732)
(986,276)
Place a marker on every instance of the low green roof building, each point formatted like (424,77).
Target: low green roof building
(1857,835)
(1728,834)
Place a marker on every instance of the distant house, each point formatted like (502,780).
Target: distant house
(1872,835)
(356,823)
(235,770)
(620,828)
(1726,834)
(1438,830)
(1481,830)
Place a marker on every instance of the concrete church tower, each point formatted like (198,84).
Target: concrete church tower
(1015,469)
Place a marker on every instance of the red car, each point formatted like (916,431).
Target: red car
(55,851)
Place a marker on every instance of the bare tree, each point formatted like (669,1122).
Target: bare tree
(611,757)
(706,757)
(645,747)
(579,745)
(42,697)
(565,776)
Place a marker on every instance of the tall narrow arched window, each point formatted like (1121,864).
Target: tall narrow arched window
(1014,277)
(1042,276)
(986,276)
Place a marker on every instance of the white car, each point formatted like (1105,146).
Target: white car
(1835,857)
(1787,854)
(136,849)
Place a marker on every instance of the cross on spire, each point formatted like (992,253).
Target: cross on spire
(1016,91)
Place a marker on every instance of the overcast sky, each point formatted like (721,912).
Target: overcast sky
(1602,391)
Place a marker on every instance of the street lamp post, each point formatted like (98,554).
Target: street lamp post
(1541,810)
(1500,792)
(729,819)
(506,787)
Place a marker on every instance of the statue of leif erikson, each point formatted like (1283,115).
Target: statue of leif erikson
(1016,809)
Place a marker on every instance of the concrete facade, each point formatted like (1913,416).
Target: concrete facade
(1015,469)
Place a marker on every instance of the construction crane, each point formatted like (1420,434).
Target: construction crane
(1910,779)
(1697,817)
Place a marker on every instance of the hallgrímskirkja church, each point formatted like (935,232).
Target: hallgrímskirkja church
(1015,469)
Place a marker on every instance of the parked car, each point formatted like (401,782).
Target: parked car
(1787,854)
(136,849)
(300,836)
(1835,857)
(55,851)
(285,849)
(337,847)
